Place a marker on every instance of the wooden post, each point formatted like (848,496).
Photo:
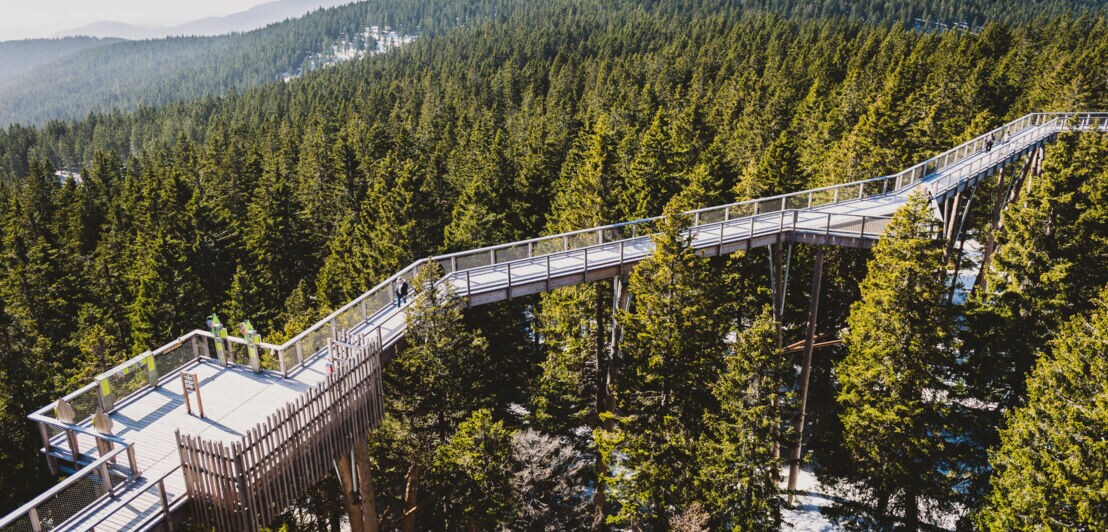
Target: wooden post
(805,373)
(191,382)
(346,478)
(365,483)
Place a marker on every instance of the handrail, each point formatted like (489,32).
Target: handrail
(165,502)
(914,174)
(100,465)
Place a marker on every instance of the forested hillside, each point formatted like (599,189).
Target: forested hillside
(21,57)
(280,203)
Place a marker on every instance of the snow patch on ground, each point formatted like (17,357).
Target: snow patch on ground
(812,496)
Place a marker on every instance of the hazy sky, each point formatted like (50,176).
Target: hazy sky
(24,19)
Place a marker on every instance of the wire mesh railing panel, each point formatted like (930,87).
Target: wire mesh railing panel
(473,260)
(740,211)
(128,380)
(511,253)
(70,501)
(349,318)
(86,403)
(547,246)
(315,341)
(797,202)
(771,205)
(177,357)
(582,240)
(22,524)
(823,197)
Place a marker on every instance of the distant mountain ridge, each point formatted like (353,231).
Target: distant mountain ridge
(20,57)
(251,19)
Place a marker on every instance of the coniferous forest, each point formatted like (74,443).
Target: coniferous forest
(506,120)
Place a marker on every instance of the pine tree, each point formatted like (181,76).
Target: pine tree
(892,384)
(738,476)
(432,376)
(474,471)
(1049,471)
(673,350)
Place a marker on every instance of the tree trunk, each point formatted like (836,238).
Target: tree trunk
(411,498)
(365,485)
(911,509)
(346,478)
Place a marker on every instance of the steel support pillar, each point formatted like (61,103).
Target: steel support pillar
(805,373)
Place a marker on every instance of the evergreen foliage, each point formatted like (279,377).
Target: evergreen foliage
(893,383)
(1050,466)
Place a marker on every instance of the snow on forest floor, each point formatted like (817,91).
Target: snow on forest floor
(805,514)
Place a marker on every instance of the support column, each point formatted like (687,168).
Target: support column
(346,478)
(365,484)
(990,236)
(607,374)
(805,372)
(951,225)
(777,289)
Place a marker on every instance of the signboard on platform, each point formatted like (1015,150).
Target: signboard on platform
(191,383)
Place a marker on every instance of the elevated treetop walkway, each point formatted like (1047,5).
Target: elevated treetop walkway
(133,478)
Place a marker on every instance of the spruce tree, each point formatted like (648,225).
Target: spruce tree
(1050,471)
(739,477)
(892,383)
(673,350)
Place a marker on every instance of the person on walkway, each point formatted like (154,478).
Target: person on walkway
(1007,138)
(399,289)
(989,144)
(403,290)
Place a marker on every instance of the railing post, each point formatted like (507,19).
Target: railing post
(862,231)
(492,257)
(861,190)
(809,200)
(586,261)
(781,226)
(548,268)
(132,463)
(620,261)
(530,249)
(361,306)
(784,202)
(565,243)
(510,277)
(165,505)
(752,224)
(281,359)
(721,226)
(696,218)
(107,398)
(836,198)
(107,479)
(380,339)
(36,523)
(828,227)
(469,290)
(453,264)
(727,213)
(300,354)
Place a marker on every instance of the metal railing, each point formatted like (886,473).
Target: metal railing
(297,351)
(59,504)
(163,507)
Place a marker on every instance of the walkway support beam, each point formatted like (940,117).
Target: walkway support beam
(805,373)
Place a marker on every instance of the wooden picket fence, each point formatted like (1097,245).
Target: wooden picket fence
(246,485)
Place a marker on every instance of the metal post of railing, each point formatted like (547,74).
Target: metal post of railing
(781,225)
(361,306)
(469,290)
(755,213)
(281,359)
(36,523)
(783,198)
(862,231)
(510,277)
(492,256)
(107,479)
(727,213)
(836,198)
(530,249)
(809,200)
(828,228)
(752,225)
(586,261)
(548,269)
(565,243)
(796,215)
(165,504)
(620,259)
(696,218)
(51,460)
(453,264)
(721,226)
(300,354)
(861,190)
(132,462)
